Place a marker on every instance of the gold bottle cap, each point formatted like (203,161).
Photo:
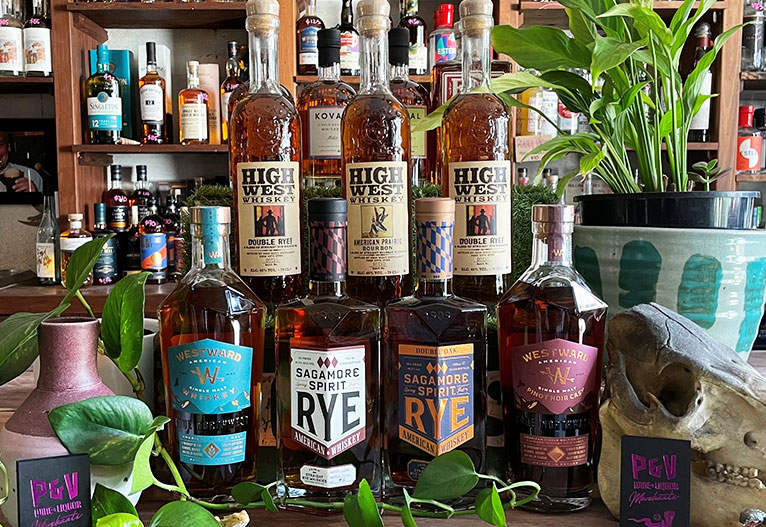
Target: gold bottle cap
(262,15)
(476,15)
(435,209)
(373,15)
(553,214)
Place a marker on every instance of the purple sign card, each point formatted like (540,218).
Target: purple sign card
(54,491)
(655,482)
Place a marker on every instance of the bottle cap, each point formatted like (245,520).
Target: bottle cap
(702,30)
(444,15)
(99,212)
(327,251)
(327,209)
(115,172)
(141,172)
(553,214)
(262,15)
(746,115)
(210,215)
(233,48)
(760,118)
(192,68)
(523,172)
(434,209)
(399,46)
(151,53)
(435,218)
(102,52)
(373,15)
(75,216)
(476,15)
(328,42)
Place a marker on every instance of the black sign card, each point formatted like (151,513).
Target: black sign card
(655,482)
(54,491)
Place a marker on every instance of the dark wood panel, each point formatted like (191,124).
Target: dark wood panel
(26,84)
(202,15)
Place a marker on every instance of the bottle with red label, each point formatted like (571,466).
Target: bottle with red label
(551,338)
(749,141)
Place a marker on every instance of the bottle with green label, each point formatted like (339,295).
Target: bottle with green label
(103,105)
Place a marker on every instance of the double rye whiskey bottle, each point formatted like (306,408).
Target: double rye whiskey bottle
(435,355)
(211,335)
(551,343)
(264,151)
(328,373)
(376,173)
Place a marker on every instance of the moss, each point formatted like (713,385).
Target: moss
(206,196)
(524,198)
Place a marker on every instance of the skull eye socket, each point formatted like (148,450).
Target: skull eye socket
(750,440)
(677,389)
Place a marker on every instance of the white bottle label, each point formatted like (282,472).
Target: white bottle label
(152,98)
(701,121)
(349,51)
(194,121)
(70,245)
(37,49)
(324,132)
(328,477)
(418,57)
(549,105)
(10,49)
(46,260)
(104,112)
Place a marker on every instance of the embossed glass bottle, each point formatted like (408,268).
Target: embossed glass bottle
(551,337)
(212,336)
(328,373)
(434,361)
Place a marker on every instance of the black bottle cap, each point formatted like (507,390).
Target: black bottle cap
(116,172)
(399,46)
(151,53)
(327,209)
(141,172)
(233,47)
(760,118)
(328,42)
(523,172)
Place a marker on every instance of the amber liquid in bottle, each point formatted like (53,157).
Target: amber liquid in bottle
(192,109)
(151,88)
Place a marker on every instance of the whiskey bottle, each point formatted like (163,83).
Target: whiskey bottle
(192,108)
(72,239)
(700,124)
(475,136)
(551,336)
(328,357)
(37,41)
(103,104)
(154,245)
(132,241)
(306,39)
(228,87)
(141,193)
(376,175)
(441,42)
(117,205)
(416,27)
(435,356)
(415,98)
(321,106)
(105,270)
(349,41)
(264,156)
(171,222)
(11,35)
(46,246)
(151,89)
(211,337)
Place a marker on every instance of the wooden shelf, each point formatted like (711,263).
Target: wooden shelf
(166,15)
(530,5)
(353,79)
(26,84)
(752,178)
(753,80)
(152,149)
(710,146)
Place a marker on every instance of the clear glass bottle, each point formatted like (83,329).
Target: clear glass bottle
(117,203)
(349,41)
(228,87)
(46,246)
(306,29)
(699,130)
(105,270)
(324,455)
(72,239)
(151,90)
(417,30)
(11,36)
(37,41)
(154,245)
(103,103)
(141,193)
(212,340)
(442,45)
(551,337)
(749,143)
(192,108)
(752,36)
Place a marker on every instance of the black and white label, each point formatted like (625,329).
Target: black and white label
(328,477)
(194,121)
(324,132)
(152,98)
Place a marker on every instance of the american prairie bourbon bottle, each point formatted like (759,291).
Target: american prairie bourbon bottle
(551,338)
(434,361)
(376,171)
(212,335)
(264,155)
(328,373)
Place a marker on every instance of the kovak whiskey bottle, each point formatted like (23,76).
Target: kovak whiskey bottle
(434,361)
(377,178)
(229,86)
(211,336)
(151,89)
(321,106)
(306,29)
(328,373)
(264,156)
(103,104)
(551,337)
(192,108)
(475,142)
(132,240)
(117,205)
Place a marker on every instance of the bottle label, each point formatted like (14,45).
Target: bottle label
(308,53)
(104,112)
(152,102)
(268,215)
(749,152)
(324,132)
(548,103)
(543,451)
(418,139)
(328,477)
(378,218)
(154,251)
(328,399)
(418,57)
(327,258)
(701,120)
(46,260)
(37,49)
(482,193)
(452,81)
(212,450)
(444,47)
(567,120)
(436,396)
(117,215)
(105,270)
(349,51)
(415,468)
(194,121)
(225,98)
(70,245)
(10,49)
(434,249)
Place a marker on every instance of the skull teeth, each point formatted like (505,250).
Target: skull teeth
(737,476)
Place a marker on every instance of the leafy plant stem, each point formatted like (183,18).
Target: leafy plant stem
(84,303)
(136,383)
(179,487)
(6,487)
(657,177)
(513,503)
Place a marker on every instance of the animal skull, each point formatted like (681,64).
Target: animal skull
(667,378)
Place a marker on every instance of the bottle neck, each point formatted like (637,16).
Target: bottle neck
(347,14)
(550,247)
(47,205)
(232,67)
(329,73)
(432,287)
(374,62)
(102,66)
(210,246)
(75,225)
(475,46)
(335,288)
(192,82)
(400,72)
(409,8)
(151,66)
(115,184)
(99,226)
(311,8)
(264,71)
(140,184)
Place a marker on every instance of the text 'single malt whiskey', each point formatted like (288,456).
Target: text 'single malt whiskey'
(328,404)
(264,155)
(434,361)
(551,338)
(376,171)
(211,335)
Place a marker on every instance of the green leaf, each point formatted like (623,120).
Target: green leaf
(589,162)
(368,507)
(581,27)
(143,478)
(408,520)
(122,327)
(521,80)
(540,47)
(108,429)
(268,500)
(183,513)
(489,507)
(433,120)
(81,264)
(351,512)
(645,17)
(448,476)
(120,519)
(106,501)
(609,53)
(247,492)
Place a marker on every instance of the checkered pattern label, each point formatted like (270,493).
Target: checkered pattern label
(435,250)
(328,250)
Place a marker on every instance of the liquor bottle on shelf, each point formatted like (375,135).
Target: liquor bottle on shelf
(324,455)
(154,245)
(375,133)
(415,98)
(192,108)
(141,193)
(551,337)
(700,125)
(527,120)
(441,41)
(446,75)
(477,174)
(522,176)
(132,244)
(306,39)
(105,270)
(264,155)
(11,35)
(211,339)
(70,241)
(427,336)
(37,41)
(171,223)
(752,36)
(117,205)
(180,246)
(749,143)
(349,41)
(151,89)
(417,30)
(46,246)
(229,86)
(103,104)
(321,106)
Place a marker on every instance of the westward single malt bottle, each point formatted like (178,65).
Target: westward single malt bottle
(551,343)
(434,361)
(211,335)
(376,173)
(328,400)
(264,155)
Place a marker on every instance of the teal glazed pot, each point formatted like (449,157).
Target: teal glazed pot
(716,278)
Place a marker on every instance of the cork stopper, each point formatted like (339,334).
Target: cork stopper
(373,16)
(435,209)
(262,15)
(476,15)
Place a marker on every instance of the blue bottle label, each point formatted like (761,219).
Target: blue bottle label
(445,47)
(104,112)
(308,54)
(154,251)
(105,270)
(212,450)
